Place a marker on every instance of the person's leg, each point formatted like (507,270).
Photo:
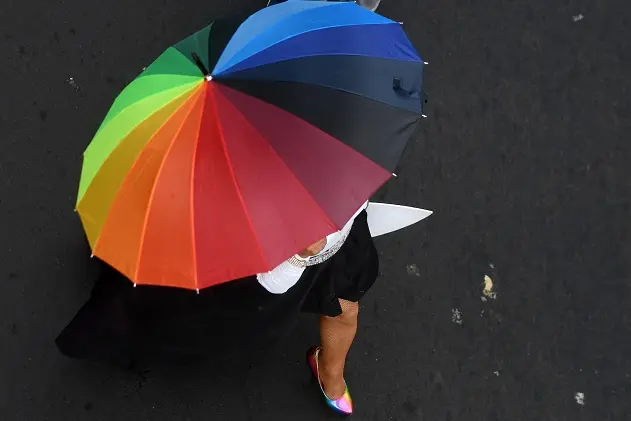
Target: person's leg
(336,336)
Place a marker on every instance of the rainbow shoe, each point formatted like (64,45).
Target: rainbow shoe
(342,405)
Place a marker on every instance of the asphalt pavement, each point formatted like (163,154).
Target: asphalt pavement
(524,159)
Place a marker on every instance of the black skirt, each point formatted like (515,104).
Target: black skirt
(121,323)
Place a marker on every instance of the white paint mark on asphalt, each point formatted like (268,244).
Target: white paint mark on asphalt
(73,83)
(456,316)
(578,17)
(413,270)
(579,397)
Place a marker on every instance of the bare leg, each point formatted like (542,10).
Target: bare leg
(336,336)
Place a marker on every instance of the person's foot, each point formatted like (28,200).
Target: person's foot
(342,404)
(332,383)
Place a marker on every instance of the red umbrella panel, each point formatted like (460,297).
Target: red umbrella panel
(227,187)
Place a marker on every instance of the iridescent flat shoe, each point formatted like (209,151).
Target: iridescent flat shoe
(342,405)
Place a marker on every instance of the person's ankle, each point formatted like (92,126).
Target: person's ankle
(333,384)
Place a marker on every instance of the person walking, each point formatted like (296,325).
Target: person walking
(199,186)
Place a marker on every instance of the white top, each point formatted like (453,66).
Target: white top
(285,275)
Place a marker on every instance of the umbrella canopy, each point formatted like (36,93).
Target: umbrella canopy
(248,141)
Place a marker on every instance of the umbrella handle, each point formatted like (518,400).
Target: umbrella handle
(199,64)
(396,86)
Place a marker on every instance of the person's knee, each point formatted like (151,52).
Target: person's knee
(350,310)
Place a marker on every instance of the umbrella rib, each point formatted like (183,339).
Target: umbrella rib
(270,29)
(295,177)
(86,154)
(284,164)
(131,168)
(234,178)
(231,77)
(153,190)
(192,198)
(107,121)
(287,38)
(418,114)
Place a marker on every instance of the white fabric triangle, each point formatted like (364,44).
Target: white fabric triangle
(385,217)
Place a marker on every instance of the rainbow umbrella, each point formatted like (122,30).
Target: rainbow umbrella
(248,141)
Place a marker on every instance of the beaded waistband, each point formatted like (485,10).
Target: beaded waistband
(319,258)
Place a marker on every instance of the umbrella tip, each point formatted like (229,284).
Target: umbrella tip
(134,285)
(394,175)
(91,256)
(425,63)
(197,289)
(423,115)
(209,78)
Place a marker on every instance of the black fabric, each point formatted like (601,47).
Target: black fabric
(220,34)
(369,77)
(121,324)
(377,130)
(347,275)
